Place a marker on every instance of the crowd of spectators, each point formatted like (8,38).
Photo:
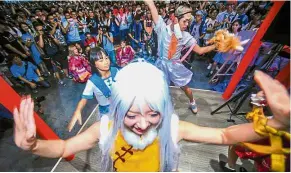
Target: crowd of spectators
(40,39)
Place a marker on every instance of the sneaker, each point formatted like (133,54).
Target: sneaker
(223,164)
(209,74)
(62,83)
(70,77)
(193,107)
(34,91)
(209,66)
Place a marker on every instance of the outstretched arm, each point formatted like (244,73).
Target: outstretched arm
(278,100)
(203,50)
(25,135)
(153,9)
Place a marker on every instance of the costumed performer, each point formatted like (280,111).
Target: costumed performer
(144,130)
(99,84)
(172,39)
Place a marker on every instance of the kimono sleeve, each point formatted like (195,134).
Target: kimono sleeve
(160,25)
(88,92)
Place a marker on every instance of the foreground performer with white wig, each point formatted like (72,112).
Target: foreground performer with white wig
(144,130)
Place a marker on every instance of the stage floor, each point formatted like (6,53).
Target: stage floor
(60,104)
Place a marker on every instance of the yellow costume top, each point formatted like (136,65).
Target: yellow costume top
(127,159)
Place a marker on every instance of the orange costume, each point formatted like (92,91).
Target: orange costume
(127,159)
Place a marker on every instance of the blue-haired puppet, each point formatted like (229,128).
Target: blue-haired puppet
(99,84)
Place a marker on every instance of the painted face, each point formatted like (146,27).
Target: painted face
(184,22)
(141,120)
(103,64)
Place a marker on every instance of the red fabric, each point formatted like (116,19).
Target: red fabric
(88,42)
(78,67)
(115,12)
(262,162)
(124,56)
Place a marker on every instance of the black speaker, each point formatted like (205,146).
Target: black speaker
(279,30)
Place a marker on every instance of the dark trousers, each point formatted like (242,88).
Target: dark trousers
(43,83)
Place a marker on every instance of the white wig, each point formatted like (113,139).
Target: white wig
(143,82)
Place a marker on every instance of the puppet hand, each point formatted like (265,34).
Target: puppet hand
(224,41)
(77,116)
(24,127)
(277,97)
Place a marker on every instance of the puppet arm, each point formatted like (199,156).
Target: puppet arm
(25,132)
(230,135)
(278,100)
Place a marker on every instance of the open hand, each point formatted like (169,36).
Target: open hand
(277,97)
(24,127)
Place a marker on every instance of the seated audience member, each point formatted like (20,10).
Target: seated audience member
(135,33)
(79,66)
(27,73)
(90,41)
(124,54)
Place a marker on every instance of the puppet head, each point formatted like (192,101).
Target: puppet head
(133,86)
(225,41)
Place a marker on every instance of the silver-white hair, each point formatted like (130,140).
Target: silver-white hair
(142,81)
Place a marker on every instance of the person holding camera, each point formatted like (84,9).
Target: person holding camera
(56,29)
(92,23)
(27,73)
(135,33)
(106,39)
(72,29)
(49,44)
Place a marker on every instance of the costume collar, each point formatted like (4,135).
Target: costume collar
(139,142)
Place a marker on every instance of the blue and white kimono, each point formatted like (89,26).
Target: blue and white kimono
(174,70)
(101,88)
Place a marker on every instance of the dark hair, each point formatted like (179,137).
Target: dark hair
(239,22)
(137,17)
(23,23)
(95,55)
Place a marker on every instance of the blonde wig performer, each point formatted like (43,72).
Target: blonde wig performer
(144,131)
(172,39)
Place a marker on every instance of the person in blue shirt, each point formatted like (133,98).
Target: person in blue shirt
(106,39)
(27,73)
(72,29)
(135,33)
(242,16)
(29,41)
(198,28)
